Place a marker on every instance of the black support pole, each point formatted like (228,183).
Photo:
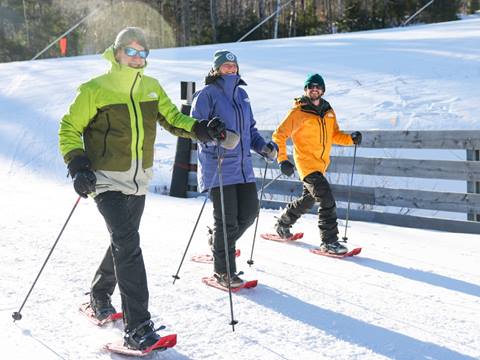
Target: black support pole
(181,167)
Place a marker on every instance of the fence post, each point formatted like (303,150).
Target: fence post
(473,186)
(181,166)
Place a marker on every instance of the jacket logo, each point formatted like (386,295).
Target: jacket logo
(247,100)
(153,95)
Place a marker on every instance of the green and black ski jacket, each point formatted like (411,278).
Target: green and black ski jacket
(113,121)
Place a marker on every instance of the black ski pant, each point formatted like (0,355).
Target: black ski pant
(315,189)
(123,261)
(241,209)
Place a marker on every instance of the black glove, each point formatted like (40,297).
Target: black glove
(216,129)
(270,151)
(206,130)
(287,168)
(84,182)
(77,164)
(356,137)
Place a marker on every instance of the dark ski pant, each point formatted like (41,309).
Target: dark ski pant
(315,189)
(123,261)
(241,209)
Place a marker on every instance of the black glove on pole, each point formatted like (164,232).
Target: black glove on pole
(270,151)
(356,137)
(84,183)
(210,130)
(84,179)
(287,168)
(216,129)
(17,314)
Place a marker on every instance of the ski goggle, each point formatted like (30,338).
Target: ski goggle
(134,52)
(314,86)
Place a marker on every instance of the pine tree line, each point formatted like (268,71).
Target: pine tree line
(27,26)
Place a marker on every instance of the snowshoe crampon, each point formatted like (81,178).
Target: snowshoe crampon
(278,238)
(162,344)
(353,252)
(211,281)
(208,258)
(86,310)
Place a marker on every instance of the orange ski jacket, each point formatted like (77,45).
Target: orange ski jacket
(313,130)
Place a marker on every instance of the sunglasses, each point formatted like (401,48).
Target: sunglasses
(134,52)
(314,86)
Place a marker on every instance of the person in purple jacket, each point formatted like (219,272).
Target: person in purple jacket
(223,97)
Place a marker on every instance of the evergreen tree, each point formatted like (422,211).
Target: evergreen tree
(441,10)
(28,26)
(308,22)
(355,17)
(473,5)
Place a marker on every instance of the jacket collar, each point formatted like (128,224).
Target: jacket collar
(227,83)
(123,75)
(306,105)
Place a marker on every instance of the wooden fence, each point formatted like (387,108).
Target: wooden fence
(375,198)
(469,171)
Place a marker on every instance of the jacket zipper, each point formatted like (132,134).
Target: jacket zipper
(106,134)
(240,118)
(137,130)
(324,137)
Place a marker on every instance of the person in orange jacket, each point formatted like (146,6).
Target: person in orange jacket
(313,128)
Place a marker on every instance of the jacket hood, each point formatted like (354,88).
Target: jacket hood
(109,55)
(212,77)
(299,101)
(229,84)
(304,103)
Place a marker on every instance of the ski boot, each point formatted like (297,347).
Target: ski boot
(283,230)
(102,307)
(333,248)
(222,279)
(142,337)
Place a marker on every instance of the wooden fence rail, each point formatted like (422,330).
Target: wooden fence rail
(424,169)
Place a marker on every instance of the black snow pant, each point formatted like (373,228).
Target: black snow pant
(241,209)
(315,189)
(123,261)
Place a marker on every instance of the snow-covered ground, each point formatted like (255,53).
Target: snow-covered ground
(410,294)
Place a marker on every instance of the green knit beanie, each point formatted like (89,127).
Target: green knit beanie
(314,79)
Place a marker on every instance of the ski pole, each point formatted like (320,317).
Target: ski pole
(231,141)
(345,238)
(17,314)
(176,277)
(270,182)
(225,241)
(250,262)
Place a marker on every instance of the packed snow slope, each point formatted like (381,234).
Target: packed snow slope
(410,294)
(422,77)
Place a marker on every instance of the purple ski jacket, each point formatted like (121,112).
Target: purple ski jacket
(225,99)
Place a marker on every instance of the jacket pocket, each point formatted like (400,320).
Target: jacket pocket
(107,131)
(150,117)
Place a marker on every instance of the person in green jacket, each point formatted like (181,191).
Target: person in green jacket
(107,139)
